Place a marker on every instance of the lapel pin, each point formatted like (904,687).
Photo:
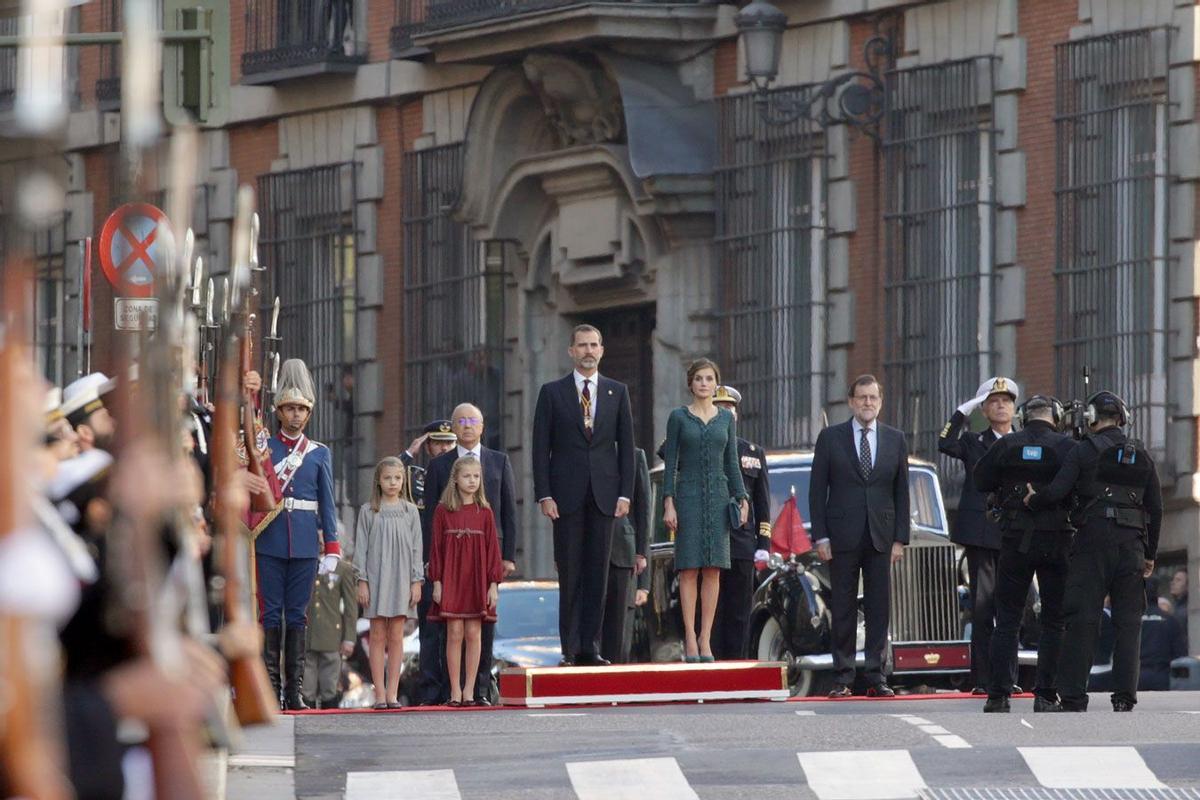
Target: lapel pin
(610,391)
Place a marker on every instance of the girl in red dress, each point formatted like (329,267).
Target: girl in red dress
(465,567)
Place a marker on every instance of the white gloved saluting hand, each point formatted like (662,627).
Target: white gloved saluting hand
(975,402)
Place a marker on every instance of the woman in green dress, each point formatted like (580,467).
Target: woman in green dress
(702,474)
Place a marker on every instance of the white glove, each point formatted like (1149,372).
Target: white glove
(328,564)
(761,556)
(966,408)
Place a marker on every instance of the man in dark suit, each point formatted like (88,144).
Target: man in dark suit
(748,545)
(630,555)
(583,478)
(858,501)
(498,486)
(979,536)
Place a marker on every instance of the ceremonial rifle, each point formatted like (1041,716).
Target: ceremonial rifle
(29,764)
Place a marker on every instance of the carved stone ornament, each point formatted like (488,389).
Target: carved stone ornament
(582,102)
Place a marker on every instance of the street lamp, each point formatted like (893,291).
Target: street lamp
(852,98)
(761,27)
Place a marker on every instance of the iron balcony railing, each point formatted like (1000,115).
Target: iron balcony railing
(408,22)
(108,85)
(286,34)
(924,604)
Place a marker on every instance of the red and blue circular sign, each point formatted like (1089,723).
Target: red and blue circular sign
(132,248)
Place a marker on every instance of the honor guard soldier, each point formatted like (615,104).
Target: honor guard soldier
(289,548)
(1031,542)
(748,545)
(1118,512)
(973,531)
(437,437)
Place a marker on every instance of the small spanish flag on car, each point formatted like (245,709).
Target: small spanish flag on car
(788,536)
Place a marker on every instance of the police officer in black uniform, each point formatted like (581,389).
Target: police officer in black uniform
(1032,542)
(973,531)
(1118,511)
(747,545)
(437,437)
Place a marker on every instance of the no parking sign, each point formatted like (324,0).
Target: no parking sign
(132,248)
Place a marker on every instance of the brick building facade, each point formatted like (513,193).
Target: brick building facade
(449,186)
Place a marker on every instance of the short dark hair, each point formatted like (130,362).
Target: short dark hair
(699,364)
(864,380)
(586,328)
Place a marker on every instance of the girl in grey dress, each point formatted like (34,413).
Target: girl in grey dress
(387,555)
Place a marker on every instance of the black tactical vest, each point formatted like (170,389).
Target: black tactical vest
(1029,461)
(1117,492)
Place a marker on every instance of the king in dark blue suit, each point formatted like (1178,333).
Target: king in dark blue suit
(288,551)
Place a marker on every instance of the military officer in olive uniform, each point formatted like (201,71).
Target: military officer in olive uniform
(332,631)
(1118,511)
(1031,543)
(748,545)
(437,437)
(973,531)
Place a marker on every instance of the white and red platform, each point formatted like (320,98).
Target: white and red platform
(535,687)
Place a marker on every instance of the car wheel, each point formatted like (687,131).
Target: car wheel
(773,647)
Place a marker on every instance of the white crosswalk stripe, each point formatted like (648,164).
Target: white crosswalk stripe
(432,784)
(630,779)
(1090,768)
(862,774)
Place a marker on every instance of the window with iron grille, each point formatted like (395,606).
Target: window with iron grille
(307,245)
(53,335)
(108,85)
(9,26)
(453,300)
(938,219)
(771,275)
(1112,178)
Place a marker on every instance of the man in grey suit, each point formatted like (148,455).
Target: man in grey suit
(630,555)
(858,502)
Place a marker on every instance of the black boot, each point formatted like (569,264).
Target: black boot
(293,667)
(272,639)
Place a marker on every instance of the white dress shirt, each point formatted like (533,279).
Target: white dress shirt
(872,439)
(592,382)
(474,453)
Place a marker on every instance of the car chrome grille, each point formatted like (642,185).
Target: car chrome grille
(925,595)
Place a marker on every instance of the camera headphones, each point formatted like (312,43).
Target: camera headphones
(1040,401)
(1106,400)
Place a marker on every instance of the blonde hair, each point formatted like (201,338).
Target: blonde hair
(376,491)
(451,498)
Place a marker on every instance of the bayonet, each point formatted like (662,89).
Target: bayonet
(225,302)
(197,282)
(208,304)
(275,320)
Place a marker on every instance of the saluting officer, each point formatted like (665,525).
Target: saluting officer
(747,544)
(979,536)
(1032,542)
(288,550)
(1118,511)
(437,438)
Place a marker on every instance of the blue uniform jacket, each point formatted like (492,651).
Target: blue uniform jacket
(296,534)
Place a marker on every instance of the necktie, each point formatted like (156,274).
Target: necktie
(585,401)
(864,455)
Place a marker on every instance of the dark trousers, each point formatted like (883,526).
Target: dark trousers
(284,589)
(876,570)
(614,643)
(981,571)
(432,686)
(732,625)
(582,548)
(1046,558)
(483,679)
(1111,565)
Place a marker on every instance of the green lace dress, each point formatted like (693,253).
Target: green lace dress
(702,474)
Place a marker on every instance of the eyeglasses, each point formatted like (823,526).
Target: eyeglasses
(469,420)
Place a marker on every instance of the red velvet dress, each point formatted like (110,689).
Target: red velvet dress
(465,557)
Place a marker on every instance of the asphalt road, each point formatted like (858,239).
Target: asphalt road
(845,750)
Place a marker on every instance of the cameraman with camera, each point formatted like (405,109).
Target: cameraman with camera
(1118,512)
(1032,542)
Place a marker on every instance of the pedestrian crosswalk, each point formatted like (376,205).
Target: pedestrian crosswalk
(828,775)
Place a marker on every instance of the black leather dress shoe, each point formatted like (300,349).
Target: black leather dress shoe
(1123,705)
(1041,705)
(591,660)
(482,701)
(567,661)
(979,691)
(880,690)
(997,705)
(840,690)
